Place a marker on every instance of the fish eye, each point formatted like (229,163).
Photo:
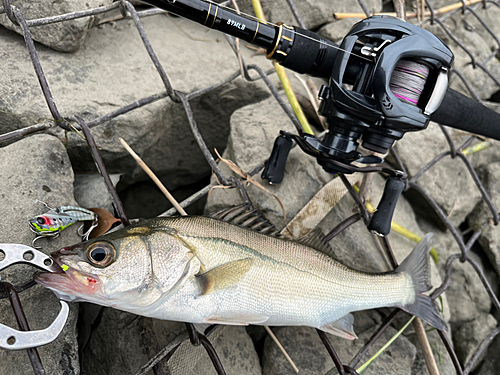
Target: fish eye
(40,220)
(101,254)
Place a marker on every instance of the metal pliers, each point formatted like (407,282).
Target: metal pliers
(10,338)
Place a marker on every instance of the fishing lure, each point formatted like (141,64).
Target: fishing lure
(51,223)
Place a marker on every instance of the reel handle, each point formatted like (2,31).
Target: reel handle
(380,223)
(275,166)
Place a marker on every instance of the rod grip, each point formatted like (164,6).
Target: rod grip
(461,112)
(380,223)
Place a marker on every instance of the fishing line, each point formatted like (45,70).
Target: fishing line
(408,80)
(294,31)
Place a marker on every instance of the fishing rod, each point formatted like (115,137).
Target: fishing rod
(387,77)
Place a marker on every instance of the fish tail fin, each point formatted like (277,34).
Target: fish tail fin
(417,267)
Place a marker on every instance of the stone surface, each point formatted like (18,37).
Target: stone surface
(482,84)
(91,191)
(253,131)
(466,295)
(448,181)
(112,70)
(234,348)
(490,239)
(492,361)
(309,354)
(65,36)
(471,334)
(357,248)
(337,30)
(314,13)
(443,360)
(115,346)
(36,168)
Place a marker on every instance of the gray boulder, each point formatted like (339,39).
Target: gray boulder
(233,346)
(253,131)
(490,238)
(65,36)
(311,357)
(443,360)
(36,168)
(471,334)
(117,344)
(483,85)
(337,30)
(448,181)
(492,361)
(105,75)
(91,191)
(314,13)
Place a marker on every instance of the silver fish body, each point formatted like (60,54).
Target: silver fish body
(202,270)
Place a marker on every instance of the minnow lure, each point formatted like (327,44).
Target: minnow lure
(51,223)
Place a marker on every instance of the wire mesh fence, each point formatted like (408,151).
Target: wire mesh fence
(69,122)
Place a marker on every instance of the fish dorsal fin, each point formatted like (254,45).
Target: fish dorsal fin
(246,217)
(317,240)
(341,327)
(223,276)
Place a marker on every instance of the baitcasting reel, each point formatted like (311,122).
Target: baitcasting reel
(388,77)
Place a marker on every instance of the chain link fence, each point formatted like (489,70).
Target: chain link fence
(68,122)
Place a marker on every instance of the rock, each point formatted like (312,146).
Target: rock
(91,191)
(253,131)
(492,361)
(490,238)
(116,346)
(441,356)
(337,30)
(65,36)
(357,248)
(309,354)
(448,181)
(466,295)
(314,13)
(471,334)
(490,16)
(36,168)
(482,84)
(233,346)
(104,75)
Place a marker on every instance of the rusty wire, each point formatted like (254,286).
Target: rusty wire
(15,15)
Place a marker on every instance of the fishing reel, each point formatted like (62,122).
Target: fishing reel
(388,77)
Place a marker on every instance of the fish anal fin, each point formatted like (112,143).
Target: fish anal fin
(341,327)
(238,320)
(317,240)
(223,276)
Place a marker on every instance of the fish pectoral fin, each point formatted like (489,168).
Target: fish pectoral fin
(223,276)
(341,327)
(238,320)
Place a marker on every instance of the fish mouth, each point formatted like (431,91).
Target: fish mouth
(68,283)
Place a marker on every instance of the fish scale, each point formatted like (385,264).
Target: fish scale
(204,270)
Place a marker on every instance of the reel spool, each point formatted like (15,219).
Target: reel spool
(388,77)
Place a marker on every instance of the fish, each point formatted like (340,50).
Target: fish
(234,268)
